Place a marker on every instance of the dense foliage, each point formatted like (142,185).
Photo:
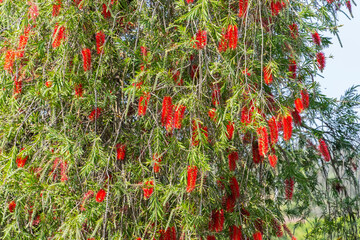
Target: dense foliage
(172,120)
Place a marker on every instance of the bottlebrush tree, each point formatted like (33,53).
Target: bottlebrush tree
(164,119)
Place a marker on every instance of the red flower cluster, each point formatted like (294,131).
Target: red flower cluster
(143,51)
(166,110)
(21,160)
(201,39)
(217,220)
(274,131)
(289,188)
(230,130)
(235,232)
(56,8)
(77,3)
(305,98)
(316,38)
(87,195)
(255,152)
(243,5)
(175,76)
(189,1)
(229,203)
(105,11)
(120,151)
(211,237)
(292,68)
(78,90)
(58,36)
(324,150)
(148,189)
(287,127)
(273,160)
(234,186)
(262,140)
(157,161)
(276,7)
(247,115)
(257,236)
(299,105)
(179,116)
(143,103)
(86,54)
(294,31)
(296,117)
(100,40)
(17,86)
(9,60)
(33,11)
(267,75)
(100,196)
(348,5)
(22,44)
(169,234)
(229,38)
(12,206)
(191,178)
(212,114)
(63,168)
(277,228)
(95,114)
(215,96)
(320,58)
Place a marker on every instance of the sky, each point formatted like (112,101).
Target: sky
(342,71)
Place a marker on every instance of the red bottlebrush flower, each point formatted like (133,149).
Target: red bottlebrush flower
(275,7)
(105,11)
(58,36)
(212,114)
(9,60)
(292,69)
(258,223)
(86,54)
(189,1)
(48,84)
(230,203)
(143,102)
(232,36)
(217,220)
(299,105)
(78,90)
(201,39)
(120,151)
(296,117)
(100,40)
(287,127)
(294,30)
(233,157)
(95,114)
(211,237)
(305,98)
(21,160)
(230,130)
(79,3)
(348,5)
(263,140)
(257,236)
(63,168)
(215,96)
(256,155)
(17,86)
(33,11)
(267,75)
(324,150)
(100,196)
(289,188)
(247,115)
(273,160)
(223,44)
(320,57)
(175,76)
(149,189)
(143,51)
(191,178)
(179,116)
(274,131)
(166,109)
(243,5)
(22,44)
(12,206)
(157,161)
(234,186)
(277,228)
(56,8)
(235,233)
(316,38)
(87,195)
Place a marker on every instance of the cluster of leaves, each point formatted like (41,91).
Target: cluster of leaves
(87,150)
